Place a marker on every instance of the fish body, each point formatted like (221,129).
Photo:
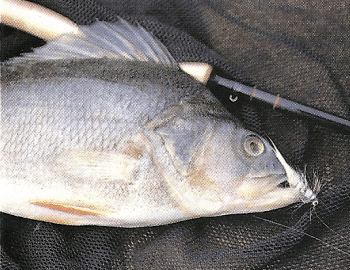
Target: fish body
(129,143)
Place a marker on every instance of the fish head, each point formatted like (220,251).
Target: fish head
(244,171)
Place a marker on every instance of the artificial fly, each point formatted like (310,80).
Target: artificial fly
(309,197)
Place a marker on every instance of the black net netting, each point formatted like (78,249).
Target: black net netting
(300,50)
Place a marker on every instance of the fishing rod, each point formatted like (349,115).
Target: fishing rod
(48,25)
(204,73)
(282,103)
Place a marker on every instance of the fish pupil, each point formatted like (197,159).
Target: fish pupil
(254,147)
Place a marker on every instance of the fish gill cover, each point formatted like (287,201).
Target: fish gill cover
(300,52)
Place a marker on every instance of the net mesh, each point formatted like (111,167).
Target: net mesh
(299,50)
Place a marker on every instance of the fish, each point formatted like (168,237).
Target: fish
(105,129)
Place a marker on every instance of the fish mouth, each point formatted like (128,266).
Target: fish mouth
(273,180)
(266,192)
(262,185)
(284,184)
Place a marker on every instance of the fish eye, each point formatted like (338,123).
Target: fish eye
(253,145)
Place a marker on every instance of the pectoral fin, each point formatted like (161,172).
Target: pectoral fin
(90,165)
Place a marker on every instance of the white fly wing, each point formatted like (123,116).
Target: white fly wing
(119,40)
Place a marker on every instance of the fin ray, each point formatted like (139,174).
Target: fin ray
(119,40)
(103,35)
(68,208)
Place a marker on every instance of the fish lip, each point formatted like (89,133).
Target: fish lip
(270,182)
(271,177)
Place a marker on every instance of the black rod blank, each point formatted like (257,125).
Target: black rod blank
(279,102)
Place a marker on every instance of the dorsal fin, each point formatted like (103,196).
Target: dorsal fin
(119,40)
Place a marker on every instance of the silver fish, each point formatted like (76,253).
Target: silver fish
(117,135)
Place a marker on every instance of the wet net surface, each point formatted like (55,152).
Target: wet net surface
(300,50)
